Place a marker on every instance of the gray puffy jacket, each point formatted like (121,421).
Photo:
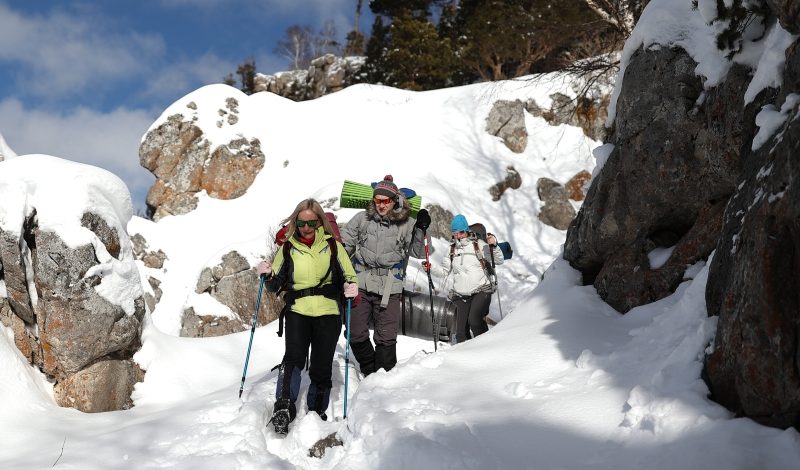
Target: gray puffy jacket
(378,245)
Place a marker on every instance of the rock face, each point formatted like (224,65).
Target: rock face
(683,174)
(66,328)
(231,284)
(673,166)
(327,74)
(184,163)
(754,279)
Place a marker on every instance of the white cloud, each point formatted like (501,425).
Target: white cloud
(107,140)
(61,53)
(185,75)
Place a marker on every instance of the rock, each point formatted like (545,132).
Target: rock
(103,386)
(576,184)
(180,157)
(675,159)
(557,211)
(318,449)
(513,180)
(234,284)
(507,121)
(754,280)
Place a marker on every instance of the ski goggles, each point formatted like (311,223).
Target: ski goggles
(302,223)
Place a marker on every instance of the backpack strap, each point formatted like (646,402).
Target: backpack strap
(332,291)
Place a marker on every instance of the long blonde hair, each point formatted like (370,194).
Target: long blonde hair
(306,204)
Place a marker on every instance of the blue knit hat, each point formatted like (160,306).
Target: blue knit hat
(459,224)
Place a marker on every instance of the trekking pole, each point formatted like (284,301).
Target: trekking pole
(430,292)
(252,332)
(496,286)
(347,356)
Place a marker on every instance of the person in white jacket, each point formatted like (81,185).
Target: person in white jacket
(473,277)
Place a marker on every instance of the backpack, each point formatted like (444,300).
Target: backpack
(480,231)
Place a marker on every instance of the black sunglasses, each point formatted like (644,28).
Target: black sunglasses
(311,223)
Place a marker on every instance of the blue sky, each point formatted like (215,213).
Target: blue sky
(84,80)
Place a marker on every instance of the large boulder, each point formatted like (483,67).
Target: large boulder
(506,120)
(69,287)
(184,163)
(674,164)
(754,278)
(232,283)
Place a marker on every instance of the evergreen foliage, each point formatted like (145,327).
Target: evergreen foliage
(354,44)
(247,75)
(417,58)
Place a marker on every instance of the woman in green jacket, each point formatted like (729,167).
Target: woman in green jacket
(315,272)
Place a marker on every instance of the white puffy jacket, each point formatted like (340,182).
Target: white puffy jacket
(469,276)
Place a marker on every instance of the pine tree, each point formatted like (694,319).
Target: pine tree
(377,48)
(354,43)
(417,58)
(247,75)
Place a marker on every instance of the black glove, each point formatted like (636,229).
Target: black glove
(423,220)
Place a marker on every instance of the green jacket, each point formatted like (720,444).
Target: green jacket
(308,265)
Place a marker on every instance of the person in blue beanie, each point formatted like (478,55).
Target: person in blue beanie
(473,277)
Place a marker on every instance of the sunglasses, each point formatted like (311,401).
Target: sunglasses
(311,223)
(383,201)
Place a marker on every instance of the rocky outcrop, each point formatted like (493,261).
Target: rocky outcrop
(325,75)
(184,163)
(231,283)
(77,337)
(686,174)
(674,164)
(754,278)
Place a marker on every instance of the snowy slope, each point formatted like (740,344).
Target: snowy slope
(563,381)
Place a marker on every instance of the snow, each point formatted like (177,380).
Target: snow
(5,151)
(562,381)
(770,120)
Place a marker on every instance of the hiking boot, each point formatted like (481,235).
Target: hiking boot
(280,420)
(283,413)
(365,355)
(385,357)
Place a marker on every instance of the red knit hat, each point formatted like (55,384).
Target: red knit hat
(386,188)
